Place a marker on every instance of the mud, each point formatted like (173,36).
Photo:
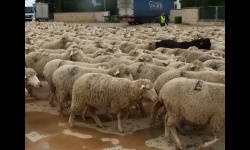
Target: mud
(45,129)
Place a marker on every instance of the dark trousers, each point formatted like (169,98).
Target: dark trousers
(163,24)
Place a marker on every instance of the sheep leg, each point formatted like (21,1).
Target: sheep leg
(126,115)
(71,119)
(176,138)
(142,109)
(167,131)
(109,115)
(217,127)
(119,122)
(157,105)
(51,99)
(162,113)
(180,129)
(172,121)
(62,98)
(94,116)
(84,112)
(206,144)
(29,89)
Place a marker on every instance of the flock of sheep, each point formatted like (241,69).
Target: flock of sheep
(89,68)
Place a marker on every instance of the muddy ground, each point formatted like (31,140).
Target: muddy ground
(45,129)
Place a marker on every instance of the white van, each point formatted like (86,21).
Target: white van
(29,11)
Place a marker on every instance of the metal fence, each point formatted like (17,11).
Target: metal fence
(212,13)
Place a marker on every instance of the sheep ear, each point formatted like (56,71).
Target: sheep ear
(192,67)
(117,72)
(141,58)
(71,53)
(165,64)
(142,87)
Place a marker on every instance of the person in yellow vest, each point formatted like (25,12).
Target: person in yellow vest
(163,20)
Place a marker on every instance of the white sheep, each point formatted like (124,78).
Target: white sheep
(59,44)
(196,101)
(103,91)
(126,47)
(218,65)
(209,76)
(65,76)
(147,71)
(31,80)
(38,60)
(54,64)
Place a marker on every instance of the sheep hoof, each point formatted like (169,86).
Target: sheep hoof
(52,105)
(153,126)
(144,115)
(179,147)
(71,125)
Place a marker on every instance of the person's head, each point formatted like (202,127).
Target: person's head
(163,14)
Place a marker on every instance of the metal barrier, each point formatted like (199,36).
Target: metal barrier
(212,13)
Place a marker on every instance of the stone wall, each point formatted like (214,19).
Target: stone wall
(190,16)
(80,16)
(173,13)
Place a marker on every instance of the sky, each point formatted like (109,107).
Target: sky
(30,1)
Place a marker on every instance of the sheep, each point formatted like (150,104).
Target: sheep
(31,80)
(55,51)
(26,92)
(218,65)
(196,101)
(100,43)
(30,48)
(54,64)
(28,40)
(176,64)
(59,44)
(103,91)
(195,66)
(65,76)
(126,47)
(206,57)
(209,76)
(37,60)
(149,46)
(147,71)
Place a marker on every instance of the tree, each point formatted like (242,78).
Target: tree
(200,3)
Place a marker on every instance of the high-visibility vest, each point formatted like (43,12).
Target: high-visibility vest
(162,19)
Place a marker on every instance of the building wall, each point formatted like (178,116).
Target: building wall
(173,13)
(191,16)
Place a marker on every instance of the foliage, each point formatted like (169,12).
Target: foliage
(177,19)
(199,3)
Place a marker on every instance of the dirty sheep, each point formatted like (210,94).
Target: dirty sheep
(103,91)
(198,101)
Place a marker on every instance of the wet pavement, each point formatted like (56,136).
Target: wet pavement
(45,129)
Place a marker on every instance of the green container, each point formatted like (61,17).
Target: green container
(111,18)
(116,19)
(107,18)
(177,19)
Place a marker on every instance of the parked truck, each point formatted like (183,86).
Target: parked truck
(143,11)
(42,11)
(29,12)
